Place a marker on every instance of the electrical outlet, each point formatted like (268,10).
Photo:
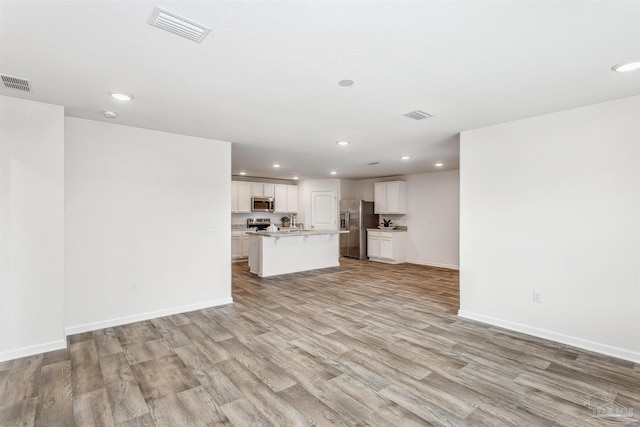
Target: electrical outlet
(537,295)
(133,287)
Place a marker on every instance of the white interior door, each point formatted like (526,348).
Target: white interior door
(324,213)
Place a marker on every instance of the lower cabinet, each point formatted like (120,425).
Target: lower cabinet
(387,246)
(245,246)
(239,245)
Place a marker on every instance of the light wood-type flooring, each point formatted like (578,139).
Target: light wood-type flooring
(357,345)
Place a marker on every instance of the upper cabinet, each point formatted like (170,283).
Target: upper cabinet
(390,197)
(240,197)
(259,189)
(292,198)
(268,190)
(286,198)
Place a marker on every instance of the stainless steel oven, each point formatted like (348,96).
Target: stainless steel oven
(262,204)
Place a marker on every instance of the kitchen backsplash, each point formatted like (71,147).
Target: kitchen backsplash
(240,220)
(397,220)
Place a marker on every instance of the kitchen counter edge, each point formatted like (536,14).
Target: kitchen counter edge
(295,233)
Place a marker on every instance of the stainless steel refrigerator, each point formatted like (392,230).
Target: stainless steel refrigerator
(356,216)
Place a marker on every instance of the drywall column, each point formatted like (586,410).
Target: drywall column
(433,214)
(552,203)
(147,224)
(31,227)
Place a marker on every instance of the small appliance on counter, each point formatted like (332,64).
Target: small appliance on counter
(258,223)
(272,228)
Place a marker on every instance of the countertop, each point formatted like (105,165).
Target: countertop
(292,233)
(386,230)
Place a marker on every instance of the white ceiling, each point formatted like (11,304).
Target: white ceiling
(266,76)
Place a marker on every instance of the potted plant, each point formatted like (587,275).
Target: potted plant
(285,221)
(386,223)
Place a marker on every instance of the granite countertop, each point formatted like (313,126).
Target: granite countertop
(242,230)
(291,233)
(387,230)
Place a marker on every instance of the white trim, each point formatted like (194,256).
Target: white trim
(608,350)
(71,330)
(32,349)
(433,264)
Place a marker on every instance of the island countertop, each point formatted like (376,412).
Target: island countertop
(284,252)
(291,233)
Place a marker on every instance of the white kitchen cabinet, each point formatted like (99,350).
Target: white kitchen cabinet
(234,196)
(259,189)
(240,197)
(268,190)
(390,197)
(286,198)
(239,245)
(292,198)
(245,246)
(387,246)
(236,245)
(280,198)
(373,244)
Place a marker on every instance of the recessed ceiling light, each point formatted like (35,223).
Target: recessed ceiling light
(275,165)
(333,173)
(121,96)
(243,173)
(626,66)
(345,83)
(405,158)
(439,164)
(295,178)
(342,142)
(111,114)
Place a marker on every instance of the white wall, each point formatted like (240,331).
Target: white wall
(349,189)
(143,207)
(432,219)
(553,203)
(31,227)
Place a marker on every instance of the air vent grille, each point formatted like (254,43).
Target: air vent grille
(13,82)
(178,25)
(418,115)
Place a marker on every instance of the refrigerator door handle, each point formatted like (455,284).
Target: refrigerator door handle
(347,224)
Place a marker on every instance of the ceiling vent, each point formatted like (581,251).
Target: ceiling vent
(13,82)
(178,25)
(418,115)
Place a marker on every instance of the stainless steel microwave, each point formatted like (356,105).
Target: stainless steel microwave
(262,204)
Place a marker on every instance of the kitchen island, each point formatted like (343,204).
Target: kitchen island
(284,252)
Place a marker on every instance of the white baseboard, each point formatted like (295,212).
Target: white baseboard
(32,349)
(608,350)
(434,264)
(71,330)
